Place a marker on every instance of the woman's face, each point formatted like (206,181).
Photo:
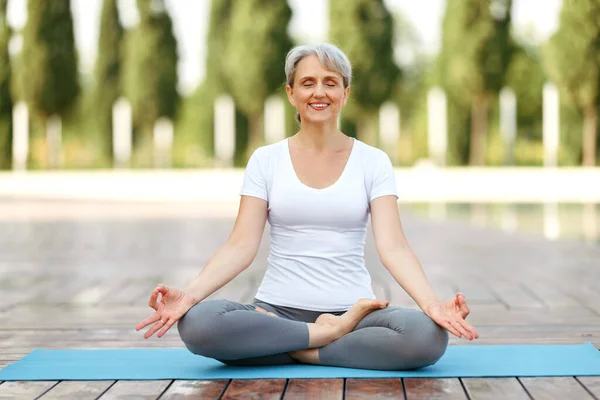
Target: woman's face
(318,94)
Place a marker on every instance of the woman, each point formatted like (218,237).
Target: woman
(315,304)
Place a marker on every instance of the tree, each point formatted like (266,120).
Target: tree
(150,69)
(48,69)
(573,62)
(108,70)
(6,103)
(476,50)
(364,31)
(253,60)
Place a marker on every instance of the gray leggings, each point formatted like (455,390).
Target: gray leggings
(393,338)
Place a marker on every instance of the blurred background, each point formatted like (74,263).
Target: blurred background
(487,108)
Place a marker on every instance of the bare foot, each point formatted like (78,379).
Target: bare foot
(346,322)
(263,311)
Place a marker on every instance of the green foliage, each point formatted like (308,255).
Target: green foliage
(150,69)
(476,51)
(526,77)
(6,103)
(48,71)
(573,52)
(108,71)
(364,30)
(572,56)
(476,47)
(253,60)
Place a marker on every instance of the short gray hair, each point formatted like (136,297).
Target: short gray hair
(329,55)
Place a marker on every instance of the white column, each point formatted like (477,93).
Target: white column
(437,126)
(163,142)
(389,129)
(224,131)
(20,145)
(508,123)
(551,125)
(122,126)
(54,140)
(274,119)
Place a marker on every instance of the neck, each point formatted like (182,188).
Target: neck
(320,137)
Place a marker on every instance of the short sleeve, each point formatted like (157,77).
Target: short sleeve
(383,178)
(255,183)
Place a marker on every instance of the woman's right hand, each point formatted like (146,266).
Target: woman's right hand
(172,305)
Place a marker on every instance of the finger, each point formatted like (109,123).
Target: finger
(166,327)
(154,328)
(457,325)
(462,304)
(452,330)
(469,328)
(153,299)
(150,320)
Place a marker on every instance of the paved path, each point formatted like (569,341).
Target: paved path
(77,275)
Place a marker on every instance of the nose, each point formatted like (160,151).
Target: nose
(319,90)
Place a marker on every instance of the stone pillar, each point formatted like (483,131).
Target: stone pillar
(163,143)
(122,126)
(389,130)
(224,131)
(551,125)
(437,132)
(20,145)
(508,123)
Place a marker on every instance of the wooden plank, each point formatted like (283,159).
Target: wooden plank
(373,389)
(433,389)
(591,383)
(514,296)
(136,389)
(264,389)
(494,388)
(79,390)
(558,388)
(208,390)
(323,389)
(24,389)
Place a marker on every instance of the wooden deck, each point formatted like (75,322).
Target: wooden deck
(77,275)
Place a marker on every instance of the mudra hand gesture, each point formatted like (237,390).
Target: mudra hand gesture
(172,305)
(451,316)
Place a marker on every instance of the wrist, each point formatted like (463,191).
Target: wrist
(429,304)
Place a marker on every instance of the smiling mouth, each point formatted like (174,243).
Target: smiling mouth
(319,106)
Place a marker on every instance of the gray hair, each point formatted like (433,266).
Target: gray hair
(329,55)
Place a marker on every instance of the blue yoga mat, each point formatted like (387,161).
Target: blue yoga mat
(146,364)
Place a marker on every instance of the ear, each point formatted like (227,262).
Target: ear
(290,95)
(346,94)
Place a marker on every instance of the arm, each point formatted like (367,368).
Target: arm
(395,253)
(236,254)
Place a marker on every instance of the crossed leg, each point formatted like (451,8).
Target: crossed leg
(390,338)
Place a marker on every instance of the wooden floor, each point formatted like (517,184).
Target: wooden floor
(78,275)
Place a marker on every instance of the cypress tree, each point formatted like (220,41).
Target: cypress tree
(150,69)
(476,51)
(573,62)
(48,65)
(108,71)
(253,61)
(364,31)
(6,103)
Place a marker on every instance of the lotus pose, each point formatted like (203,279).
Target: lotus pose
(318,189)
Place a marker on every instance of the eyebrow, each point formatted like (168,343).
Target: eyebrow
(335,78)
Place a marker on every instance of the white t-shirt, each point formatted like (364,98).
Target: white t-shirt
(316,257)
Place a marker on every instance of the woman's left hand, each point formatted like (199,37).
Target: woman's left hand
(451,316)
